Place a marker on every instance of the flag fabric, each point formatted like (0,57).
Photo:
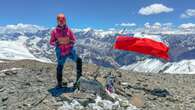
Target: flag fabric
(144,45)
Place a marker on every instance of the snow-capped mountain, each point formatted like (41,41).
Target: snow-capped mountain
(15,42)
(25,41)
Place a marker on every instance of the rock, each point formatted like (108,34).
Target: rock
(4,98)
(132,89)
(131,107)
(11,92)
(46,101)
(76,105)
(2,74)
(93,106)
(107,104)
(10,72)
(91,86)
(27,104)
(81,95)
(152,98)
(137,101)
(2,88)
(101,80)
(27,83)
(124,103)
(116,105)
(67,97)
(85,102)
(124,83)
(160,92)
(65,106)
(3,107)
(172,99)
(58,104)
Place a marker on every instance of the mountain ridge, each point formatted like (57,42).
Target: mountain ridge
(95,46)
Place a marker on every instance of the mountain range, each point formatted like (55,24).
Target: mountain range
(95,46)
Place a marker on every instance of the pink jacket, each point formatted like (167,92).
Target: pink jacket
(61,33)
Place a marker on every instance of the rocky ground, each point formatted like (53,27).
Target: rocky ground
(30,85)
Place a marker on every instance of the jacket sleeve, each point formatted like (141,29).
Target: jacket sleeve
(52,39)
(72,37)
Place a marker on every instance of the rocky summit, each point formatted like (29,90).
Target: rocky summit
(30,85)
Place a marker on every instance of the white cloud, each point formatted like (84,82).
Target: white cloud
(155,9)
(156,25)
(188,13)
(126,24)
(147,25)
(111,29)
(168,24)
(187,26)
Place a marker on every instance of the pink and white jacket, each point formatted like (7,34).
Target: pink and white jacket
(60,33)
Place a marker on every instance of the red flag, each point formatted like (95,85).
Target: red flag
(142,45)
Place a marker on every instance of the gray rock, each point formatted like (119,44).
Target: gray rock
(94,87)
(2,88)
(2,75)
(28,88)
(124,103)
(91,86)
(85,102)
(4,98)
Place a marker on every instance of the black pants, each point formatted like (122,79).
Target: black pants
(78,70)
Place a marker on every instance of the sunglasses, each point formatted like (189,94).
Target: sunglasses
(61,18)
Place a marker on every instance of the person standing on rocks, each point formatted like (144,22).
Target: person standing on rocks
(63,39)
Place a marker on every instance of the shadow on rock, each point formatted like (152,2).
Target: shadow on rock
(58,91)
(160,92)
(156,92)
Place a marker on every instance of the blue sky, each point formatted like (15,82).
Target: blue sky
(96,13)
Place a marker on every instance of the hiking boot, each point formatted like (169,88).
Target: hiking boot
(76,84)
(65,83)
(59,85)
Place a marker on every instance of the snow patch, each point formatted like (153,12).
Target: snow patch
(12,69)
(17,50)
(153,37)
(156,66)
(182,67)
(148,65)
(99,104)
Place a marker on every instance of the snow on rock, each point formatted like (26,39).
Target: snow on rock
(16,50)
(148,65)
(156,66)
(182,67)
(99,104)
(12,69)
(74,105)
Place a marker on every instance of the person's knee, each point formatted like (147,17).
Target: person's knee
(59,67)
(79,60)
